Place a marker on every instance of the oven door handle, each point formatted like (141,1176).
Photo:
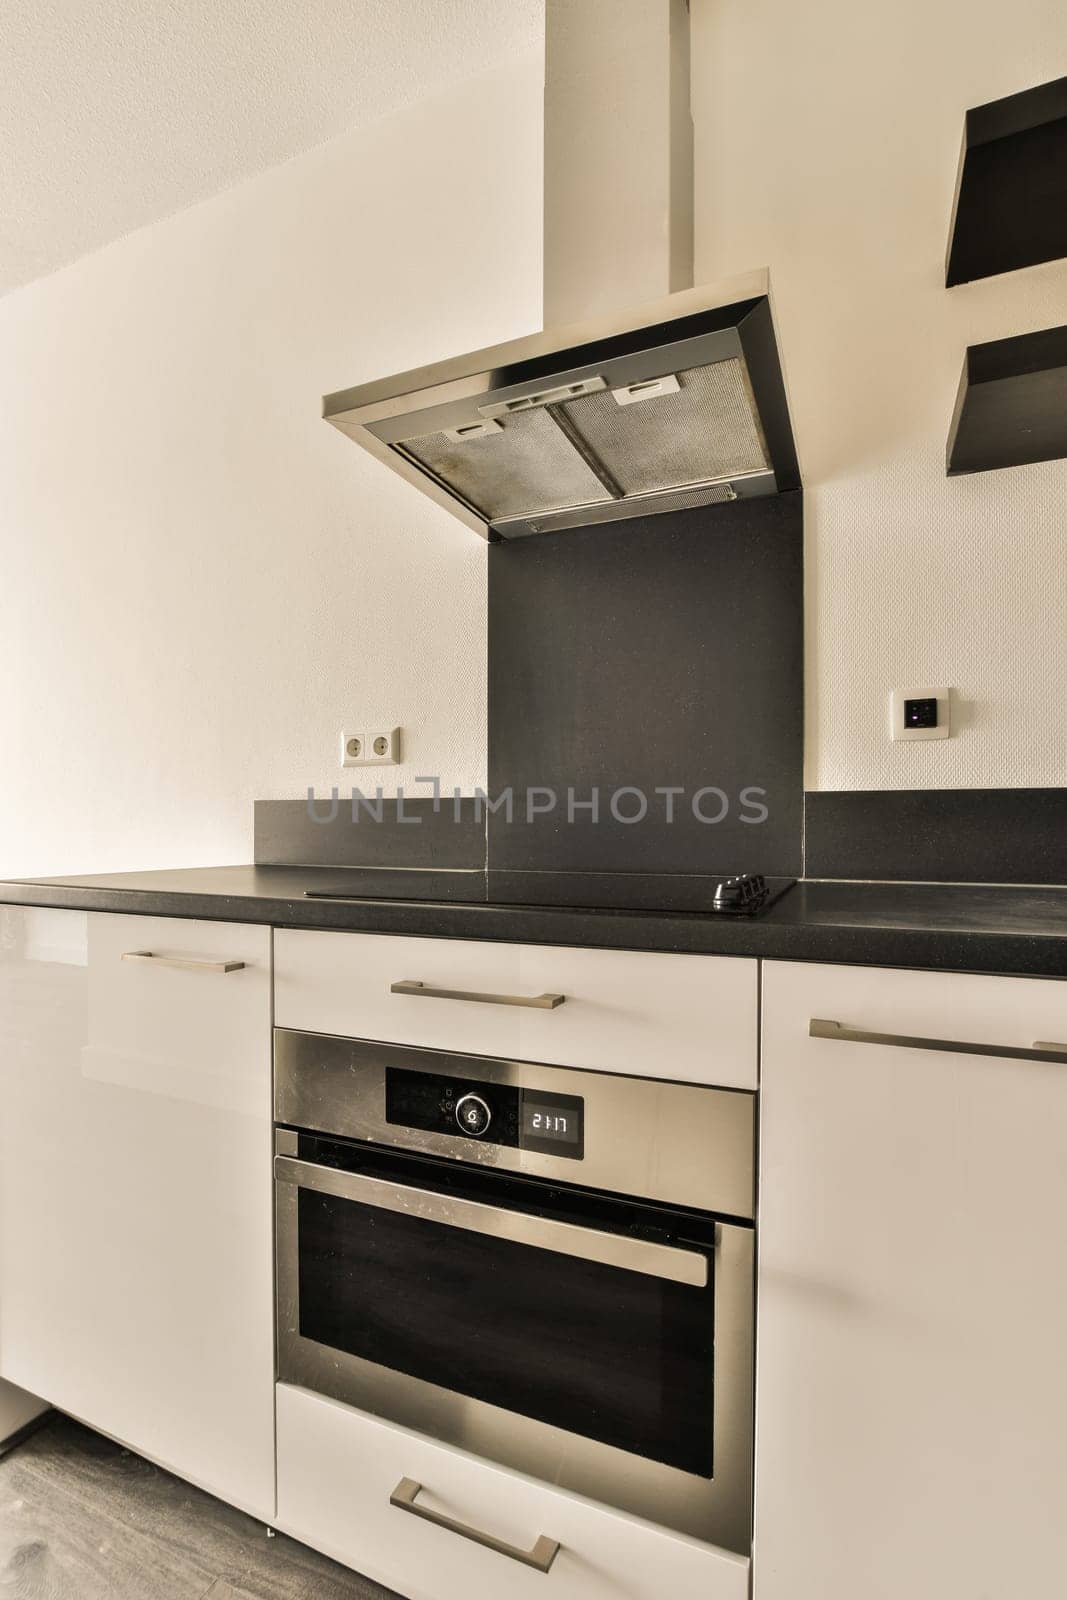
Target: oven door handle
(671,1262)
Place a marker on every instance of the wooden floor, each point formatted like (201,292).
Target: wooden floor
(83,1519)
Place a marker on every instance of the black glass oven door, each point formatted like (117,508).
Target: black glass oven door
(585,1313)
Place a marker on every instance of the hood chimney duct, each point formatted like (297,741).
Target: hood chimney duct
(618,202)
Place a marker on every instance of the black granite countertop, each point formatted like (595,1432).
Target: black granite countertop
(962,928)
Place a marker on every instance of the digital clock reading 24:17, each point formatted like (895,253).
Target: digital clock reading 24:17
(552,1124)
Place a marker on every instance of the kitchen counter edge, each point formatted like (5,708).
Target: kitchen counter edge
(1019,932)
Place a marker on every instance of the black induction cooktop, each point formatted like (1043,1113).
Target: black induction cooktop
(741,895)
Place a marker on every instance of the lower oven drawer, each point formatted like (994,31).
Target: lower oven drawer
(338,1469)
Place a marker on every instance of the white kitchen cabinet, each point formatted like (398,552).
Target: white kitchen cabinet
(338,1470)
(17,1411)
(911,1369)
(135,1185)
(659,1015)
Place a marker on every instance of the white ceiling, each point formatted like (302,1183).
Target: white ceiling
(116,112)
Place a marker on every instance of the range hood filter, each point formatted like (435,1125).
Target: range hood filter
(526,465)
(704,431)
(679,405)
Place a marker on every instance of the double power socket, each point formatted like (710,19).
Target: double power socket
(371,750)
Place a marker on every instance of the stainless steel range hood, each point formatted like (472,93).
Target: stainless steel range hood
(680,403)
(675,404)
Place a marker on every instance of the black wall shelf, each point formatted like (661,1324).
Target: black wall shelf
(1012,403)
(1011,194)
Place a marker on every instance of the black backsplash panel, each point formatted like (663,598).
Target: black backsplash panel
(329,834)
(939,835)
(659,652)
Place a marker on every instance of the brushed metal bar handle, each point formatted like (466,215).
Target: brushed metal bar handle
(181,961)
(538,1002)
(820,1028)
(541,1556)
(673,1263)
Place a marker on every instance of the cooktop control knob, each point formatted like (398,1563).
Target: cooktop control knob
(473,1116)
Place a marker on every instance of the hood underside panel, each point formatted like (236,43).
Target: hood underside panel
(633,416)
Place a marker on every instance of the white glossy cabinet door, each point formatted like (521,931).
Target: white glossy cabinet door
(17,1410)
(135,1186)
(912,1340)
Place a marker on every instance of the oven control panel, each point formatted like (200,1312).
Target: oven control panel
(527,1119)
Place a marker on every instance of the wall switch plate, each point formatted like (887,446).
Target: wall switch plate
(920,713)
(379,749)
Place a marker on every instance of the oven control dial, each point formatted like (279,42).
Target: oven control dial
(473,1116)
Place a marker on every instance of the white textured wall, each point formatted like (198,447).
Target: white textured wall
(200,581)
(114,113)
(828,136)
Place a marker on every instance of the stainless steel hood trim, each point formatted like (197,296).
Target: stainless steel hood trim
(645,504)
(481,367)
(546,397)
(687,497)
(416,476)
(429,409)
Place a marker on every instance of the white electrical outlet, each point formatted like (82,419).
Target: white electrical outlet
(381,749)
(352,747)
(920,713)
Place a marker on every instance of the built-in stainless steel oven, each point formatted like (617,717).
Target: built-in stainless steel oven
(550,1268)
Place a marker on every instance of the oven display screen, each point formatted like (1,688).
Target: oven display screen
(552,1124)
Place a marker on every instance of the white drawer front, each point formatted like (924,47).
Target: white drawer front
(337,1469)
(667,1016)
